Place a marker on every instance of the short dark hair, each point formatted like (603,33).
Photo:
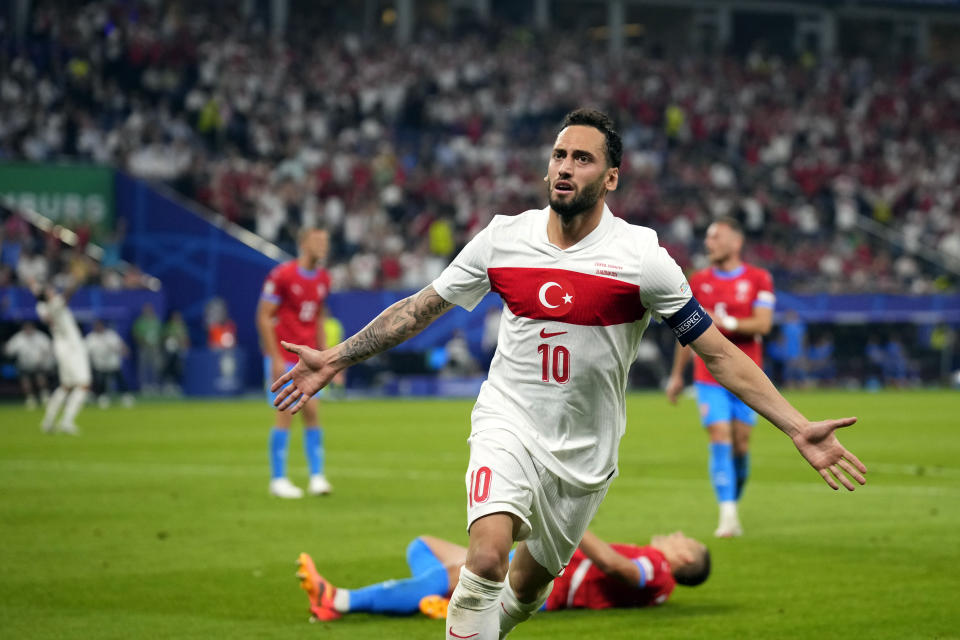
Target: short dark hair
(602,123)
(306,231)
(694,573)
(729,221)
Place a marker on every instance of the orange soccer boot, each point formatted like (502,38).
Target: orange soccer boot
(319,590)
(434,607)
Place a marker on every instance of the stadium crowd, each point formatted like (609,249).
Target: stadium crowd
(29,255)
(405,152)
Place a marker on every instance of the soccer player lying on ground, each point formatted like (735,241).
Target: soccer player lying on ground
(579,286)
(599,576)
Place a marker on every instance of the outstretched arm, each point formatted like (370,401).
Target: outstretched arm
(606,558)
(815,441)
(395,324)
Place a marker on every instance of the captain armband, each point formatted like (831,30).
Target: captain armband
(689,322)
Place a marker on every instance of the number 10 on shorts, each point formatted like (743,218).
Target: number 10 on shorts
(555,362)
(480,485)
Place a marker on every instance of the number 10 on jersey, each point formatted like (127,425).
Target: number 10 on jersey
(555,363)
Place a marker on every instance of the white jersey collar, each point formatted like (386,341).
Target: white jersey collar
(588,241)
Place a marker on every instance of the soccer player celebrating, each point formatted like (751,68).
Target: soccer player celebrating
(73,364)
(579,287)
(739,297)
(599,576)
(291,309)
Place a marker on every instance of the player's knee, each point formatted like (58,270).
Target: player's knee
(720,432)
(488,563)
(527,592)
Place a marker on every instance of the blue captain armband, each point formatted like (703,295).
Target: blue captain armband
(689,322)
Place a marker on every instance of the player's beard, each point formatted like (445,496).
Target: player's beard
(583,201)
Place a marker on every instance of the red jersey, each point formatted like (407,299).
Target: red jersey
(734,293)
(583,586)
(299,295)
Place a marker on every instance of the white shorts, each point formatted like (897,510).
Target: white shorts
(504,477)
(73,366)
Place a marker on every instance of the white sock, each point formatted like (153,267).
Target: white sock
(74,404)
(341,600)
(513,612)
(728,511)
(53,405)
(472,611)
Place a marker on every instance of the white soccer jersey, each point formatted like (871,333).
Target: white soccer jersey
(571,325)
(106,350)
(63,326)
(33,350)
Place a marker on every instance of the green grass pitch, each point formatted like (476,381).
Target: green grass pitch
(155,522)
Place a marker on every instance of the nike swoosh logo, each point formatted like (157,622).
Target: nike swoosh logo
(544,334)
(457,635)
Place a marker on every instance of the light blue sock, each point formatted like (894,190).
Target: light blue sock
(278,452)
(741,466)
(313,447)
(721,471)
(400,596)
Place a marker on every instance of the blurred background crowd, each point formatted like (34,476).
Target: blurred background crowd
(842,166)
(404,151)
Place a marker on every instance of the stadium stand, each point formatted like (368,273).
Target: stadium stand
(406,151)
(843,168)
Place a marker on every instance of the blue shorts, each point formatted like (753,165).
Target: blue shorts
(717,404)
(268,380)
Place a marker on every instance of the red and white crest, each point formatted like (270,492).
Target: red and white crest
(556,297)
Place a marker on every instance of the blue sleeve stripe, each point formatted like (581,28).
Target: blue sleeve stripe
(689,322)
(270,298)
(643,573)
(761,303)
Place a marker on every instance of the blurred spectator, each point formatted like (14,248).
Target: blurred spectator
(821,366)
(147,334)
(789,350)
(33,353)
(176,344)
(651,370)
(32,266)
(221,329)
(107,351)
(459,362)
(418,143)
(491,334)
(897,368)
(876,362)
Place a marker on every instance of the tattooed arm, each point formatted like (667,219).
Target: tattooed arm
(398,322)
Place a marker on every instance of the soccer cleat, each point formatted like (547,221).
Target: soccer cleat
(319,591)
(729,528)
(434,607)
(319,486)
(283,488)
(68,428)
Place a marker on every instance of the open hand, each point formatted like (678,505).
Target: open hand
(312,372)
(819,445)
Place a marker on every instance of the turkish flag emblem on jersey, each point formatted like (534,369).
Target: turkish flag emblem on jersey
(556,296)
(566,296)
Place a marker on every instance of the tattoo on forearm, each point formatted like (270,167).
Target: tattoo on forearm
(398,322)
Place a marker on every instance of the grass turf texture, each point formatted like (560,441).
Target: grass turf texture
(156,523)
